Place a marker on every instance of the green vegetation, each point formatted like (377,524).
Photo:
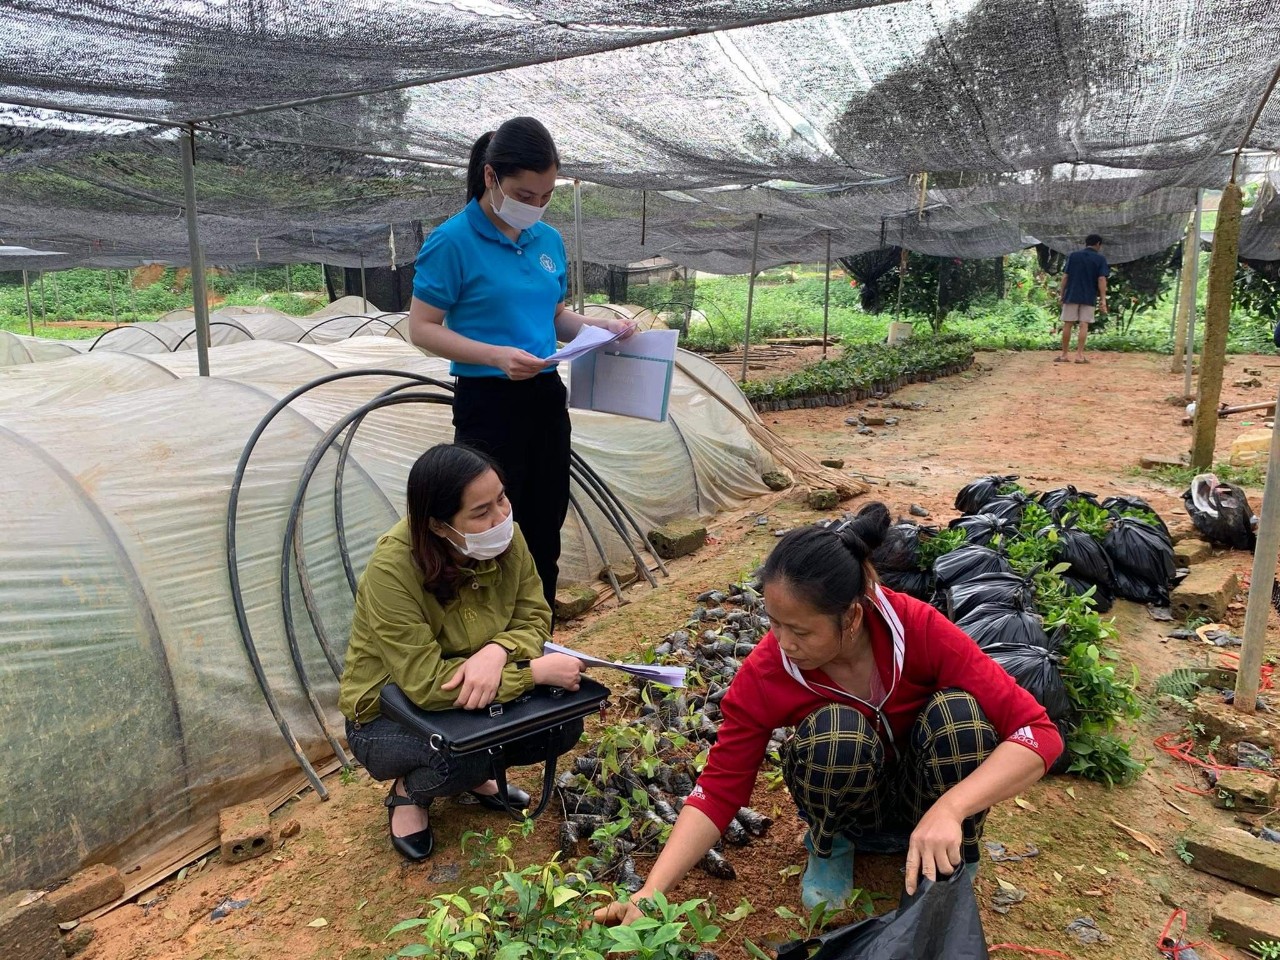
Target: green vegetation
(88,295)
(1254,476)
(865,365)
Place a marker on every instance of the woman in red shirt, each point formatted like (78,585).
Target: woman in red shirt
(905,732)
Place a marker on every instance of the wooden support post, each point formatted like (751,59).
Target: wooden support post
(111,286)
(44,307)
(1217,317)
(1264,571)
(826,297)
(1189,357)
(26,289)
(1187,302)
(751,293)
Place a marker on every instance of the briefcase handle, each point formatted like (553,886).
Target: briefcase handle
(499,767)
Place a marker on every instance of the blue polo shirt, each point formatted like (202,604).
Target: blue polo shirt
(490,288)
(1083,269)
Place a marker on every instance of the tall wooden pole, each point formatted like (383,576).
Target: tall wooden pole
(1264,572)
(1187,293)
(1189,356)
(199,296)
(826,297)
(1217,318)
(26,289)
(751,293)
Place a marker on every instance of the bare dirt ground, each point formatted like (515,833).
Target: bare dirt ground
(1014,413)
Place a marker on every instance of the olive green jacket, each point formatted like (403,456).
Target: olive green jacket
(403,635)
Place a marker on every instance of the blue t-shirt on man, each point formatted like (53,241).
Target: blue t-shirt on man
(493,289)
(1083,269)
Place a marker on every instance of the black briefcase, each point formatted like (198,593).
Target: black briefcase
(463,733)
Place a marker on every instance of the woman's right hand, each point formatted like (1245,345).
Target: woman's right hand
(557,670)
(618,914)
(517,364)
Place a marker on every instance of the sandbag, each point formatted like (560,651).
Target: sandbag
(1221,512)
(1007,590)
(1037,671)
(982,528)
(1116,506)
(915,583)
(1103,593)
(1141,560)
(1088,559)
(1008,507)
(965,563)
(1059,501)
(991,623)
(974,496)
(940,922)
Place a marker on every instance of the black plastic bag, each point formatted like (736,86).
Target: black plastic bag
(1060,501)
(901,547)
(1103,593)
(940,922)
(981,528)
(1116,506)
(992,623)
(1142,561)
(1009,507)
(1088,559)
(1037,671)
(915,583)
(996,589)
(974,496)
(965,563)
(1066,726)
(1221,512)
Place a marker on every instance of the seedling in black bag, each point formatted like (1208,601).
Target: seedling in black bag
(974,496)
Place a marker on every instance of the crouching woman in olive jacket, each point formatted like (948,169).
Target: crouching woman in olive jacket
(450,609)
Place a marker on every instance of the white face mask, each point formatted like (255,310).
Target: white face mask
(486,544)
(515,214)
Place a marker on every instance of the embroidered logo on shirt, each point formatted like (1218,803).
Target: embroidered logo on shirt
(548,264)
(1024,736)
(469,615)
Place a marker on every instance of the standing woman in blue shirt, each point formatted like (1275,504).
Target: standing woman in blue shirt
(489,294)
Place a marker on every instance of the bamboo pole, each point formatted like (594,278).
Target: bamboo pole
(199,296)
(26,289)
(1217,318)
(1264,571)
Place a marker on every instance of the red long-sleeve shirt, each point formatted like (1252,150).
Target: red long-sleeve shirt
(917,653)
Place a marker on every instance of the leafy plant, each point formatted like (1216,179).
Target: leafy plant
(1103,757)
(1182,682)
(1090,518)
(542,911)
(1180,848)
(1266,949)
(939,544)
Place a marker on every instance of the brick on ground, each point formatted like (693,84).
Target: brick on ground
(824,499)
(246,832)
(1206,592)
(572,603)
(1189,551)
(1246,791)
(1235,855)
(679,538)
(1241,919)
(1226,724)
(91,888)
(28,931)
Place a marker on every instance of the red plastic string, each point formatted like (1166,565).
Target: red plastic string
(1182,751)
(1019,948)
(1268,670)
(1174,947)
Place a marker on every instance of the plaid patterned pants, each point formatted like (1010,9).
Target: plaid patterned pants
(843,782)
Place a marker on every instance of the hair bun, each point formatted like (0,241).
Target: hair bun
(866,531)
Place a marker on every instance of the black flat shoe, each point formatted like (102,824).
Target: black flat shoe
(518,799)
(416,846)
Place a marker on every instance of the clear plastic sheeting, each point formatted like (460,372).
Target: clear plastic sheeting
(18,349)
(1032,123)
(122,673)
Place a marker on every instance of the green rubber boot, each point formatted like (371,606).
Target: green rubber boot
(828,880)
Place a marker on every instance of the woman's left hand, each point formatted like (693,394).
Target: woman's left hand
(624,327)
(935,846)
(480,677)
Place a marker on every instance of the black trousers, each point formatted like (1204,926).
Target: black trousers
(524,426)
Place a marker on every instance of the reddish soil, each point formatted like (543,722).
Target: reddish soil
(1016,413)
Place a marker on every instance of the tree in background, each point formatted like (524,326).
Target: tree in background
(932,287)
(1139,285)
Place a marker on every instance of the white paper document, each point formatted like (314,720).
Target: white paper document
(589,338)
(668,676)
(631,378)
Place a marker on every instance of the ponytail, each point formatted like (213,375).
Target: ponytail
(522,143)
(475,167)
(829,564)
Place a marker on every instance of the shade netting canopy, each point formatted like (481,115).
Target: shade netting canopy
(123,675)
(328,132)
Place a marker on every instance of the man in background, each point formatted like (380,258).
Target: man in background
(1084,288)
